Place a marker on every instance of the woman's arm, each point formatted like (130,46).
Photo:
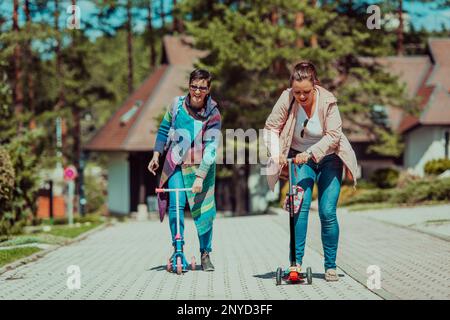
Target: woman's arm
(211,138)
(163,132)
(332,136)
(275,123)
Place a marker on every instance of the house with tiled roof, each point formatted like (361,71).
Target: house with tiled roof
(426,135)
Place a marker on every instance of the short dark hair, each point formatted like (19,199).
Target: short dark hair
(200,74)
(304,70)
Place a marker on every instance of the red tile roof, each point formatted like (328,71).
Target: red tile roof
(434,88)
(113,134)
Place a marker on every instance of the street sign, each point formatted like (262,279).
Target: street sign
(70,173)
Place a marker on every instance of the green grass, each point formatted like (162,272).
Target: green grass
(72,232)
(388,205)
(10,255)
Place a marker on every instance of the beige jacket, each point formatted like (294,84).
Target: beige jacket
(279,130)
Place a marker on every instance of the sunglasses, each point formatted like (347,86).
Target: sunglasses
(304,127)
(195,88)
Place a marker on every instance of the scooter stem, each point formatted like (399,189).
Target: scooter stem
(291,215)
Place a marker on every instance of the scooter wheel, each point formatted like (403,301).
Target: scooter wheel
(279,275)
(179,266)
(193,264)
(169,266)
(309,275)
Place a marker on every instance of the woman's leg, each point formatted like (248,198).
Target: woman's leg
(304,177)
(205,241)
(176,181)
(329,184)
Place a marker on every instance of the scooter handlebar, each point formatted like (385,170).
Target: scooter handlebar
(158,190)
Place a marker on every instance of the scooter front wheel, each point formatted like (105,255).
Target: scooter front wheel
(179,266)
(309,275)
(193,264)
(279,275)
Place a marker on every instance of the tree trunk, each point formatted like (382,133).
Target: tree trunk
(314,39)
(29,59)
(274,18)
(151,36)
(174,17)
(299,23)
(400,48)
(17,55)
(59,75)
(162,14)
(130,47)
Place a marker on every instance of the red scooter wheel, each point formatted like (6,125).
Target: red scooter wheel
(169,266)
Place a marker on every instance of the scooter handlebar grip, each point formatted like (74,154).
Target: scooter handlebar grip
(159,190)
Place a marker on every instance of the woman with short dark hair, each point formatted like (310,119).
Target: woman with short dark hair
(194,117)
(307,126)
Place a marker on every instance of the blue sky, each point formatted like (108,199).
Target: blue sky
(421,15)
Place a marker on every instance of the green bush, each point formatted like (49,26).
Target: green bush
(437,166)
(422,191)
(7,177)
(95,193)
(368,196)
(15,212)
(385,178)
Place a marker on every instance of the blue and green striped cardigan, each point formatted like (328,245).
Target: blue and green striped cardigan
(205,134)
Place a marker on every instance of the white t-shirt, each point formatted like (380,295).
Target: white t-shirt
(313,131)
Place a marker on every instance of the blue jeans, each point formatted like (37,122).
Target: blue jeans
(176,181)
(328,174)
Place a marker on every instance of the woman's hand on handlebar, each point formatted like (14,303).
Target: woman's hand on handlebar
(301,158)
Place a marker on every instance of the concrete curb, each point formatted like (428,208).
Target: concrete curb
(35,256)
(390,223)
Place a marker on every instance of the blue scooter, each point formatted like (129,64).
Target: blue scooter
(178,262)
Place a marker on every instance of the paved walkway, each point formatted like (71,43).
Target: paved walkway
(413,264)
(127,261)
(434,220)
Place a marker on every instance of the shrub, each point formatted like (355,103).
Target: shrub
(7,177)
(15,212)
(368,196)
(422,191)
(385,178)
(437,166)
(95,192)
(406,178)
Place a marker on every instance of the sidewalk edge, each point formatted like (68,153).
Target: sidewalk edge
(35,256)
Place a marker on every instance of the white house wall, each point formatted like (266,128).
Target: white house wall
(118,183)
(422,145)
